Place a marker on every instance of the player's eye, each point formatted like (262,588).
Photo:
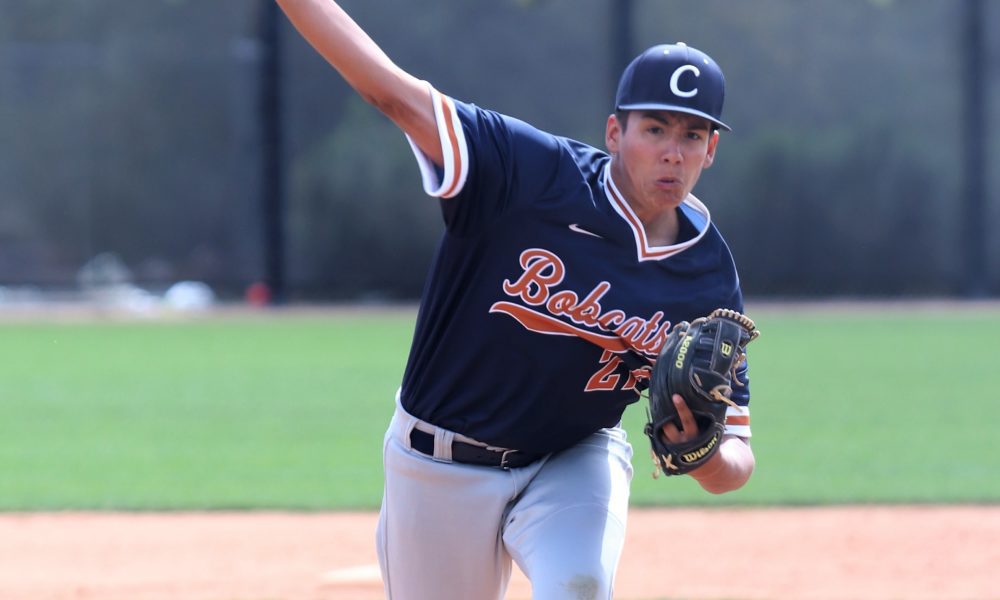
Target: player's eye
(655,129)
(694,135)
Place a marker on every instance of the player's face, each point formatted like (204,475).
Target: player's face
(658,157)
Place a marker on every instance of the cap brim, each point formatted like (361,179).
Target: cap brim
(681,109)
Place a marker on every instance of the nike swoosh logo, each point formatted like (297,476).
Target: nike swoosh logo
(578,229)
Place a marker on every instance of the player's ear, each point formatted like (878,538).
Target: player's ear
(713,144)
(612,134)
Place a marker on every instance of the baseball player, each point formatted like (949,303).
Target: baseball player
(558,260)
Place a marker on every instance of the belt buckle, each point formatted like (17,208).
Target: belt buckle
(503,459)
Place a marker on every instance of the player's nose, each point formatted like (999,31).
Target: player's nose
(671,151)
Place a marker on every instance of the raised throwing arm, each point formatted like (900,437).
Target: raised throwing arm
(403,98)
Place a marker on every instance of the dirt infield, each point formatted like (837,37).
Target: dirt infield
(856,553)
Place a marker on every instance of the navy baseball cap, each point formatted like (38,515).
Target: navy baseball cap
(674,77)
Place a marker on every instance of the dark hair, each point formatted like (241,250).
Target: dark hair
(622,116)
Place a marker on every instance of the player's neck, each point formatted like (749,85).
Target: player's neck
(660,224)
(663,228)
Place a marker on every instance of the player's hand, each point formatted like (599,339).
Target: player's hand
(689,427)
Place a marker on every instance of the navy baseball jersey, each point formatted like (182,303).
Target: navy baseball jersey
(542,253)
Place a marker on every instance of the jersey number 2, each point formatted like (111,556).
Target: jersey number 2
(607,378)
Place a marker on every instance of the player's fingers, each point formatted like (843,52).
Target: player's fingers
(688,424)
(675,432)
(672,433)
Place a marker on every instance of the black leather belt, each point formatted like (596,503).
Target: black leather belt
(471,454)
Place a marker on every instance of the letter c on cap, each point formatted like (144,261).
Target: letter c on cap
(675,78)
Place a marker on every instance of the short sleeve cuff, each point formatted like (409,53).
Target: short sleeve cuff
(447,181)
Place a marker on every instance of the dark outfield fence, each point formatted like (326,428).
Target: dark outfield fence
(138,129)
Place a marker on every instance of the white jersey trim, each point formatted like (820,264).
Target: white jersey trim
(692,207)
(453,148)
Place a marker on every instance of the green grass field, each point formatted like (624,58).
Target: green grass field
(288,412)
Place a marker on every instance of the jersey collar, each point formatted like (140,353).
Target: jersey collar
(692,208)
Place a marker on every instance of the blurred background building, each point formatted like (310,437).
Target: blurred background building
(203,140)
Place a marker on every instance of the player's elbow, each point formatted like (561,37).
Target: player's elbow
(729,470)
(734,481)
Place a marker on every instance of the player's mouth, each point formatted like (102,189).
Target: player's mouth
(668,182)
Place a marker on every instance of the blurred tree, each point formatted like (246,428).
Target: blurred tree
(355,228)
(851,213)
